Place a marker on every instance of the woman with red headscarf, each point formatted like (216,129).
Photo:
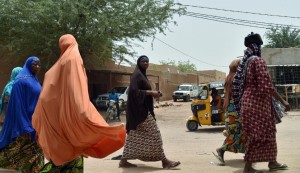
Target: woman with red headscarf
(66,122)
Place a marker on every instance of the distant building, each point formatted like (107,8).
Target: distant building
(284,67)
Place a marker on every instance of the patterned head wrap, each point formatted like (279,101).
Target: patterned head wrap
(239,78)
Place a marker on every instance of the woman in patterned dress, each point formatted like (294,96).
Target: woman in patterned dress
(18,147)
(143,140)
(235,140)
(252,94)
(6,93)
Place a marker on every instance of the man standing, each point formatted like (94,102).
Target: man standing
(114,96)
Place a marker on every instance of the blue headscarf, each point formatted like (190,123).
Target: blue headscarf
(8,86)
(21,105)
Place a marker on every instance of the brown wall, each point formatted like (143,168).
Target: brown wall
(101,81)
(102,78)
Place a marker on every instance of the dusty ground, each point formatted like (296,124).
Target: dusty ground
(194,149)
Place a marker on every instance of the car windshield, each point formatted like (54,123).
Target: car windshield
(203,93)
(183,88)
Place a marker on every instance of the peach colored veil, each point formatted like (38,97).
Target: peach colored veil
(66,122)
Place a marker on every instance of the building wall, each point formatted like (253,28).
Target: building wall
(102,78)
(167,81)
(284,67)
(211,76)
(281,56)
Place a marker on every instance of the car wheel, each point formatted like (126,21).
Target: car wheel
(175,100)
(187,99)
(192,125)
(97,103)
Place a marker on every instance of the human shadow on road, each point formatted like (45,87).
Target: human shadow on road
(145,168)
(235,163)
(239,163)
(209,130)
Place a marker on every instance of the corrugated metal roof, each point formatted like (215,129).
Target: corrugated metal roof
(289,65)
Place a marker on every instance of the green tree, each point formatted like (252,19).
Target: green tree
(283,37)
(101,27)
(168,62)
(183,66)
(186,66)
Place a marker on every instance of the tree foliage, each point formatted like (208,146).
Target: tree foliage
(100,26)
(186,66)
(183,66)
(283,37)
(168,62)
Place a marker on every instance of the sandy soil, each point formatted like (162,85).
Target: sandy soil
(194,149)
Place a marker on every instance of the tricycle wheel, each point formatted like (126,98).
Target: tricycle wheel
(108,115)
(192,125)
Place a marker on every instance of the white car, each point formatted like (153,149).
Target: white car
(185,92)
(123,96)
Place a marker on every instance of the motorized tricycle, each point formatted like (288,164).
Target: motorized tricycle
(203,112)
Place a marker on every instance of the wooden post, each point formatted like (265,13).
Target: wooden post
(286,94)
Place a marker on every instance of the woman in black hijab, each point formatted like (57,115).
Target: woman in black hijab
(143,140)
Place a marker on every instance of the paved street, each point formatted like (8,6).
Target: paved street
(194,149)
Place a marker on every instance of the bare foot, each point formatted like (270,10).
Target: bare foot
(125,164)
(168,164)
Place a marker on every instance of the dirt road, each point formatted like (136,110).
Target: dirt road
(194,149)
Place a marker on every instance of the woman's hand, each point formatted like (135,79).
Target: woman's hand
(225,105)
(156,94)
(286,105)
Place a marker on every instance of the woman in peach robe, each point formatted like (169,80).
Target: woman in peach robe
(66,122)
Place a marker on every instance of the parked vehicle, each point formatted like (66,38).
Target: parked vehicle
(102,100)
(123,95)
(111,112)
(203,112)
(185,92)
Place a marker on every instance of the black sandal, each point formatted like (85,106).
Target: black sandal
(171,165)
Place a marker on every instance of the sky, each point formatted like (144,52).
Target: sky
(212,45)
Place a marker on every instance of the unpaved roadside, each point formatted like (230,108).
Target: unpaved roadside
(194,149)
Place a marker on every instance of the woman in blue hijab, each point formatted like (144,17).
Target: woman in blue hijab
(6,92)
(18,147)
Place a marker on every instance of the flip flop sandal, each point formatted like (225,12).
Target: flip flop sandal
(222,162)
(278,167)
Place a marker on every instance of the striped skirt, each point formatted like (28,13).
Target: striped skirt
(144,143)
